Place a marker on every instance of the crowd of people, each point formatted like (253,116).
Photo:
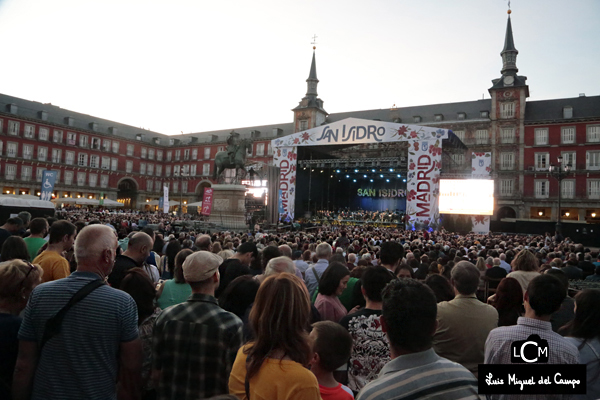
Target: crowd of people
(121,305)
(360,215)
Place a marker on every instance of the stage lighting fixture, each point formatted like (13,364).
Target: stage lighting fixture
(398,175)
(364,176)
(354,180)
(387,180)
(337,171)
(403,180)
(371,180)
(372,170)
(381,175)
(356,170)
(321,171)
(391,169)
(347,176)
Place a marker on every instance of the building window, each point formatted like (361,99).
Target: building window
(10,172)
(303,125)
(11,149)
(81,178)
(592,160)
(13,128)
(168,170)
(593,188)
(68,177)
(106,145)
(417,119)
(541,189)
(507,161)
(130,148)
(142,168)
(94,161)
(57,136)
(129,167)
(184,186)
(260,149)
(82,160)
(569,158)
(177,155)
(206,169)
(568,188)
(207,153)
(541,136)
(193,170)
(71,138)
(25,173)
(186,154)
(507,135)
(568,135)
(150,169)
(103,181)
(507,110)
(42,153)
(1,126)
(151,154)
(159,170)
(159,155)
(83,142)
(458,159)
(460,135)
(28,151)
(57,175)
(144,152)
(481,136)
(56,156)
(269,149)
(39,174)
(462,115)
(567,112)
(593,133)
(169,155)
(93,180)
(176,170)
(541,161)
(506,187)
(249,151)
(96,143)
(44,134)
(105,162)
(221,148)
(484,114)
(69,157)
(115,146)
(149,185)
(175,187)
(114,163)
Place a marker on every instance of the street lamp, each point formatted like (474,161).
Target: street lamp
(181,175)
(559,173)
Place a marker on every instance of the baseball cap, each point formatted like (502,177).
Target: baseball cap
(200,266)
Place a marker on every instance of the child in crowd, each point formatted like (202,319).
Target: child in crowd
(331,349)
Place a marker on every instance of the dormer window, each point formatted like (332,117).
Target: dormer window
(438,117)
(417,119)
(484,114)
(462,115)
(567,112)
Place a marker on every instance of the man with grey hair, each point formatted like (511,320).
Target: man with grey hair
(504,264)
(313,274)
(464,322)
(138,250)
(203,243)
(278,265)
(98,337)
(195,342)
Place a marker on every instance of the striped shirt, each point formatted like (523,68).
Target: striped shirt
(195,344)
(498,345)
(81,362)
(421,375)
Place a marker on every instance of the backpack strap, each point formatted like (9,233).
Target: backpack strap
(52,326)
(314,270)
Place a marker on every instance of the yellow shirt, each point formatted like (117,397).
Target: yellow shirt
(54,265)
(276,380)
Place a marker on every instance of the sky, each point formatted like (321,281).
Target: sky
(193,66)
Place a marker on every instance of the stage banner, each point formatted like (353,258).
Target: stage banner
(207,201)
(165,199)
(481,224)
(355,131)
(285,158)
(48,180)
(481,165)
(424,164)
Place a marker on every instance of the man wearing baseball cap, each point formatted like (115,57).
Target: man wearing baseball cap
(195,342)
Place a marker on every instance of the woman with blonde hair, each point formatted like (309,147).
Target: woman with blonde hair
(18,278)
(525,268)
(273,366)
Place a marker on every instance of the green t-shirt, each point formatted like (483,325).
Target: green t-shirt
(33,246)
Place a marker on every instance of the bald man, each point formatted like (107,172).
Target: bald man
(98,338)
(203,243)
(138,250)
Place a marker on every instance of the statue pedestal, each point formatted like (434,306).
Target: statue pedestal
(229,207)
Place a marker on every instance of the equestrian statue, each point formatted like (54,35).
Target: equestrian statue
(233,158)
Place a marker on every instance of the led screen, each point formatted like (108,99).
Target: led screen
(466,196)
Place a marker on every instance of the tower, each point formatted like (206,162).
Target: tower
(310,113)
(509,95)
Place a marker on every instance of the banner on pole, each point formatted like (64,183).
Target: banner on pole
(285,158)
(48,180)
(424,164)
(207,201)
(481,165)
(165,199)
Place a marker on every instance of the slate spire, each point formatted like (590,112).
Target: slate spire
(312,80)
(509,52)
